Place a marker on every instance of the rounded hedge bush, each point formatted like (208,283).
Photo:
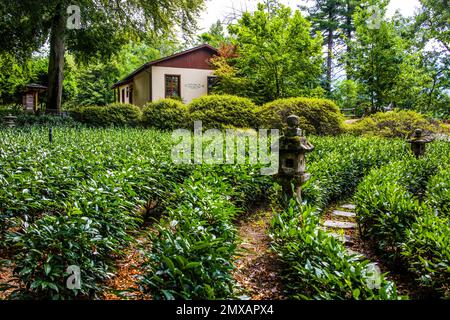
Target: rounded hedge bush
(117,114)
(165,114)
(392,124)
(223,111)
(317,116)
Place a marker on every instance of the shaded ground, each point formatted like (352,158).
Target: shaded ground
(257,268)
(6,276)
(123,286)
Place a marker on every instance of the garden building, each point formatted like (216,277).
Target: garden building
(186,75)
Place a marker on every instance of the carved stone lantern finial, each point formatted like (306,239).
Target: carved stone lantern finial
(293,149)
(418,142)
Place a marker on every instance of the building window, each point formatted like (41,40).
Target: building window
(212,82)
(172,86)
(123,95)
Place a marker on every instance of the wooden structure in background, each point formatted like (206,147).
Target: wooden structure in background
(30,98)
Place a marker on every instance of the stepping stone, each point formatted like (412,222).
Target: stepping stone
(342,237)
(349,206)
(344,214)
(339,224)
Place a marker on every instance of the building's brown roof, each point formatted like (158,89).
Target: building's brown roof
(35,86)
(130,77)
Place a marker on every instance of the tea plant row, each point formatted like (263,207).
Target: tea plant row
(403,209)
(318,266)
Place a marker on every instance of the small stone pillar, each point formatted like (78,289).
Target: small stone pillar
(10,121)
(418,142)
(292,167)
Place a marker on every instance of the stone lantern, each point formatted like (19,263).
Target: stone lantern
(10,121)
(418,142)
(293,149)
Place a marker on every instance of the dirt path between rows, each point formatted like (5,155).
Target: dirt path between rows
(257,268)
(124,284)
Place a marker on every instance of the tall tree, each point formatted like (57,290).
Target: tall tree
(215,36)
(276,53)
(326,17)
(377,55)
(106,25)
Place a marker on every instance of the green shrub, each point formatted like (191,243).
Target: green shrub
(117,114)
(165,114)
(10,109)
(45,120)
(438,192)
(51,245)
(340,163)
(392,124)
(317,116)
(223,111)
(427,251)
(122,114)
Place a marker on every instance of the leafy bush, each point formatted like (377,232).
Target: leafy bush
(392,124)
(427,251)
(438,192)
(166,114)
(318,265)
(338,164)
(10,109)
(117,114)
(317,116)
(192,252)
(45,120)
(51,245)
(74,202)
(223,111)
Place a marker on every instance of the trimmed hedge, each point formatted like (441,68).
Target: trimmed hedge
(116,114)
(165,114)
(317,116)
(223,111)
(392,124)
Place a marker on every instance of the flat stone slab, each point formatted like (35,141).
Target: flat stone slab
(339,224)
(344,214)
(342,237)
(349,206)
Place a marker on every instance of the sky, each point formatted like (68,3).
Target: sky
(221,9)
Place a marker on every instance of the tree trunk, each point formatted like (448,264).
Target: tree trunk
(348,34)
(56,62)
(329,59)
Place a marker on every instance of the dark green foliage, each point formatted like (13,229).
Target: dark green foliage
(338,164)
(116,114)
(52,244)
(317,116)
(223,111)
(75,201)
(317,265)
(392,124)
(427,252)
(402,210)
(167,114)
(45,120)
(10,110)
(193,251)
(438,192)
